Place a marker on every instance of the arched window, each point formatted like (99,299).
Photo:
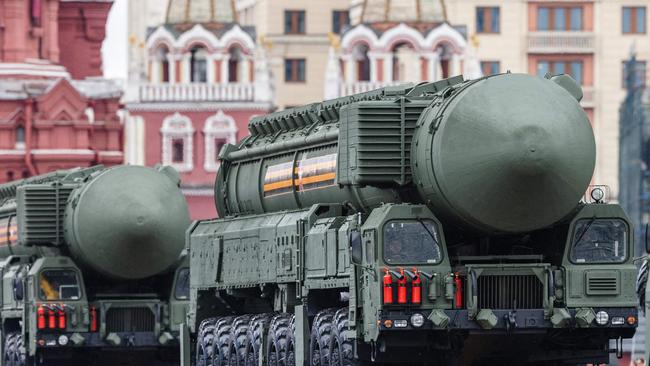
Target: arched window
(162,56)
(219,130)
(360,54)
(198,64)
(177,142)
(20,137)
(234,64)
(405,63)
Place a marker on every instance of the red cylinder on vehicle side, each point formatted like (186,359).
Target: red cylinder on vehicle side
(388,287)
(458,297)
(93,319)
(62,319)
(401,288)
(40,317)
(51,319)
(416,288)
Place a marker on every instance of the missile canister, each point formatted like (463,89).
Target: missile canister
(505,153)
(124,222)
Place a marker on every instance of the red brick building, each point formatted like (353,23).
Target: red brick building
(56,111)
(207,77)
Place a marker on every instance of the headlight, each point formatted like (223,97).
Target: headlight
(597,194)
(63,340)
(417,320)
(401,323)
(602,318)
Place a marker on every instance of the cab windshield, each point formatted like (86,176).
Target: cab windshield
(59,285)
(411,242)
(599,241)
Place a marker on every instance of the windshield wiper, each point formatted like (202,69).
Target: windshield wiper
(584,231)
(429,232)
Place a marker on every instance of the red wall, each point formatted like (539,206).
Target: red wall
(82,24)
(201,206)
(153,140)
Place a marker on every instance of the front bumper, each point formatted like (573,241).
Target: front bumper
(117,340)
(512,321)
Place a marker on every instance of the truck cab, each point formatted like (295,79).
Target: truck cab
(570,281)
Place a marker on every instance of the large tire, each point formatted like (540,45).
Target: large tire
(9,348)
(204,342)
(341,347)
(13,356)
(256,329)
(277,346)
(221,341)
(319,340)
(239,340)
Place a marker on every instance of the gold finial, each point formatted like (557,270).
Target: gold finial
(474,39)
(335,40)
(132,39)
(266,43)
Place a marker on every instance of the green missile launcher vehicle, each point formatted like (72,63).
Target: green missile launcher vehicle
(92,266)
(438,223)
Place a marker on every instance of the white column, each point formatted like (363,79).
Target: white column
(224,68)
(156,77)
(243,69)
(373,67)
(455,65)
(433,64)
(186,68)
(388,68)
(172,67)
(210,69)
(350,75)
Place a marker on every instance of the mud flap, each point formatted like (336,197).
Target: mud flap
(302,335)
(184,341)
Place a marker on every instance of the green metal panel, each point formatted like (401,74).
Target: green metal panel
(491,150)
(118,224)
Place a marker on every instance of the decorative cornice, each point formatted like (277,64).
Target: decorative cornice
(199,106)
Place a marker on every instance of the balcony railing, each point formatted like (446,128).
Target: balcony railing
(364,86)
(197,92)
(588,96)
(561,42)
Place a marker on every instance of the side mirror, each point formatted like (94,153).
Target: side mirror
(19,288)
(356,253)
(647,238)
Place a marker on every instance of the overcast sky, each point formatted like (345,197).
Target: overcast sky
(115,45)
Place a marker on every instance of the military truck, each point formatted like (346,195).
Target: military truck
(91,266)
(450,222)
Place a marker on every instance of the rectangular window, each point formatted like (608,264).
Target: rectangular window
(559,23)
(487,19)
(543,16)
(294,22)
(490,67)
(634,20)
(294,70)
(576,19)
(574,68)
(560,18)
(340,19)
(634,75)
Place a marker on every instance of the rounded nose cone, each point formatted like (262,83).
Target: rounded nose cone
(130,222)
(515,154)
